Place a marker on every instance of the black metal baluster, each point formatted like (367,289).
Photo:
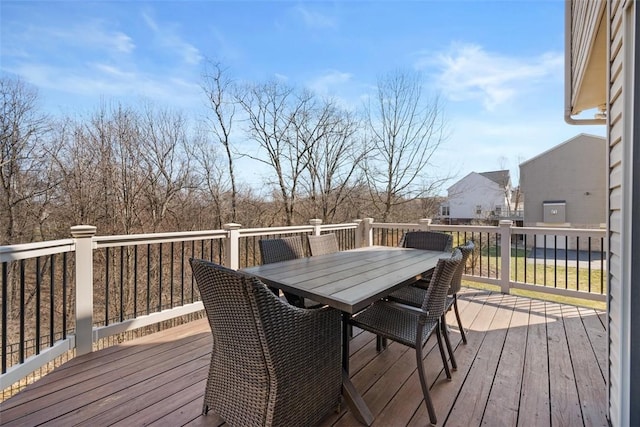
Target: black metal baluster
(148,278)
(535,259)
(602,265)
(480,266)
(515,264)
(52,334)
(544,270)
(64,296)
(193,255)
(171,273)
(22,312)
(122,283)
(135,281)
(38,295)
(566,262)
(589,266)
(160,278)
(106,287)
(525,258)
(182,275)
(577,265)
(5,292)
(555,260)
(502,245)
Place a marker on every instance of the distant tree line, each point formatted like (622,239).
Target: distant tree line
(147,168)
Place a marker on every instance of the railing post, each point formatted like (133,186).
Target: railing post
(232,254)
(359,232)
(83,235)
(505,255)
(316,225)
(368,232)
(424,224)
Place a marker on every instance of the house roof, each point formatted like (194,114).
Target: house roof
(501,177)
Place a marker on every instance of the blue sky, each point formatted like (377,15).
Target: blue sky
(498,65)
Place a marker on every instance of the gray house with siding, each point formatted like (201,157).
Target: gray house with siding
(565,185)
(602,65)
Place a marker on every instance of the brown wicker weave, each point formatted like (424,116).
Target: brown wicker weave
(283,249)
(323,244)
(428,240)
(413,326)
(272,364)
(414,296)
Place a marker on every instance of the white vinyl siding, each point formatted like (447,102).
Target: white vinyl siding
(621,176)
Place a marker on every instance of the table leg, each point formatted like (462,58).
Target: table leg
(345,341)
(354,399)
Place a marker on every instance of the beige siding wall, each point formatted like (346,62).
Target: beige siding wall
(574,171)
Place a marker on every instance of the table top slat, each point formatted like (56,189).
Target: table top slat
(349,280)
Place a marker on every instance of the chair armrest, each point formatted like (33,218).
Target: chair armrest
(405,307)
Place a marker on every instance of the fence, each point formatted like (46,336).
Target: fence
(65,298)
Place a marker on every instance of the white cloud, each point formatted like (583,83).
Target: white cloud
(329,82)
(315,19)
(90,34)
(168,38)
(468,72)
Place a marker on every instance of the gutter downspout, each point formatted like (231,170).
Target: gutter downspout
(568,82)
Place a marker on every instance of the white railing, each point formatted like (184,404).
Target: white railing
(233,246)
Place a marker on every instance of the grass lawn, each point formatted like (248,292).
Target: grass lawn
(486,263)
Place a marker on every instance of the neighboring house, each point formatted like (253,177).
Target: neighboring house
(478,197)
(565,186)
(602,67)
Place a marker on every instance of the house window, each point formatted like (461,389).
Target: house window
(444,210)
(498,210)
(478,209)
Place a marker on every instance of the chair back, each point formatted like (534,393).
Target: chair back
(323,244)
(229,300)
(433,305)
(282,249)
(427,240)
(271,363)
(456,280)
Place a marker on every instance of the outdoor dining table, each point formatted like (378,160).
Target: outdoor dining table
(349,281)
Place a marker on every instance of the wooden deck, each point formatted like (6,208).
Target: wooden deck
(527,362)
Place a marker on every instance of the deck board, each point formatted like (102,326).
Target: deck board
(534,396)
(527,362)
(564,399)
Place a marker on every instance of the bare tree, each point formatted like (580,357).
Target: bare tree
(334,160)
(209,178)
(274,113)
(220,91)
(165,158)
(405,130)
(77,163)
(25,171)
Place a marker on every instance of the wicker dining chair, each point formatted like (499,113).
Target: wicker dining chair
(323,244)
(427,240)
(282,249)
(413,326)
(414,296)
(271,364)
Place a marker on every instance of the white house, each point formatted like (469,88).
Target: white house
(479,196)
